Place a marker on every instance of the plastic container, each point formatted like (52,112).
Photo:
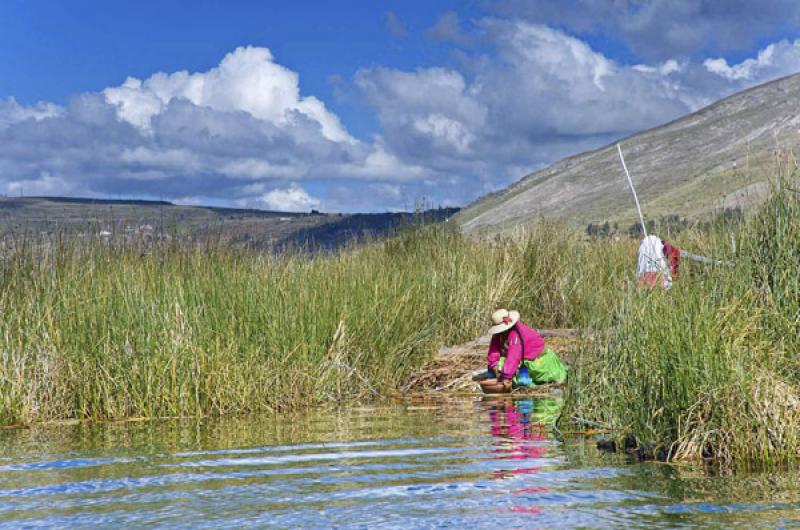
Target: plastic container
(524,378)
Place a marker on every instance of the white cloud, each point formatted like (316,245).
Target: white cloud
(291,199)
(448,29)
(539,96)
(226,136)
(663,29)
(257,169)
(666,68)
(557,55)
(167,159)
(545,94)
(380,164)
(239,132)
(424,113)
(248,79)
(12,112)
(775,60)
(442,129)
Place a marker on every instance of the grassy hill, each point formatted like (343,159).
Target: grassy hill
(718,157)
(134,219)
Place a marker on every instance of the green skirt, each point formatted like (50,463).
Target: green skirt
(546,368)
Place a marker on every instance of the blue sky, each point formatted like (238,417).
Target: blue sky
(54,50)
(354,106)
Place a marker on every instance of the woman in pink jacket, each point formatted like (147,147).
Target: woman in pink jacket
(518,355)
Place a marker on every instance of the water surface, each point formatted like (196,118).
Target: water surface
(457,463)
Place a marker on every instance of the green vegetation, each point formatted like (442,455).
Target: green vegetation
(101,331)
(709,369)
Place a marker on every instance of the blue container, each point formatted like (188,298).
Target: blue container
(524,378)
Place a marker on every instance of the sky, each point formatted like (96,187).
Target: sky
(346,106)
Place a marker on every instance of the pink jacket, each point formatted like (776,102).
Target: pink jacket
(534,345)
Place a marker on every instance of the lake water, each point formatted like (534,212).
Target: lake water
(457,463)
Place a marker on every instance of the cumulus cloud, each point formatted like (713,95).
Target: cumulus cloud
(229,135)
(545,92)
(522,95)
(291,199)
(423,113)
(776,60)
(542,94)
(247,79)
(12,112)
(663,29)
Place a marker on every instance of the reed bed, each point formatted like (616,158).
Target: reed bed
(710,369)
(107,331)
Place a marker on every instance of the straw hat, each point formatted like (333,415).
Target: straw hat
(503,320)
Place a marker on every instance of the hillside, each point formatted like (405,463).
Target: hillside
(138,219)
(718,157)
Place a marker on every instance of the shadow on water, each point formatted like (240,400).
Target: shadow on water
(440,463)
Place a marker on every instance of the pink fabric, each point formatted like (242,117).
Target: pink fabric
(534,345)
(517,432)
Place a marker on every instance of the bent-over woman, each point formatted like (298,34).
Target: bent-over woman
(516,348)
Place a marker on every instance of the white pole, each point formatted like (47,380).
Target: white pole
(633,190)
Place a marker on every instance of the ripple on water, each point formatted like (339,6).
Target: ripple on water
(448,464)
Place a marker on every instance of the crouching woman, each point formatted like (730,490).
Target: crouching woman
(518,355)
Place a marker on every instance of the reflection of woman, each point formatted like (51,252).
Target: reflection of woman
(524,418)
(515,349)
(523,427)
(512,421)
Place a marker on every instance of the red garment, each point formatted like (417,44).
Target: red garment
(650,279)
(673,255)
(534,345)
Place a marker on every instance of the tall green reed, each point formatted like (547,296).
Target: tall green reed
(93,330)
(709,369)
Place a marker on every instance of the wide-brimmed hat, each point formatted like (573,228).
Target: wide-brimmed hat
(503,320)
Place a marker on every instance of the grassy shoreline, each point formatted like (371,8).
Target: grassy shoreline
(708,370)
(89,330)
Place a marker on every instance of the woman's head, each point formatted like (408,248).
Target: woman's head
(503,320)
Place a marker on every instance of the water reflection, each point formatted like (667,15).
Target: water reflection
(520,435)
(522,429)
(440,463)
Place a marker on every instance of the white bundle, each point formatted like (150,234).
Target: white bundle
(652,259)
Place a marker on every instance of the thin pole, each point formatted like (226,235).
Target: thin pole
(633,190)
(704,260)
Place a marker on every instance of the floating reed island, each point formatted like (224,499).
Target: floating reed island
(100,330)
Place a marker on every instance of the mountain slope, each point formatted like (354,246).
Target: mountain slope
(716,157)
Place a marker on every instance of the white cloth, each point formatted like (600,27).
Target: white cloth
(652,259)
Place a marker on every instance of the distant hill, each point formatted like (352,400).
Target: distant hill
(718,157)
(135,219)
